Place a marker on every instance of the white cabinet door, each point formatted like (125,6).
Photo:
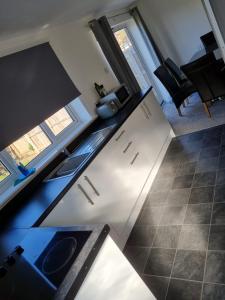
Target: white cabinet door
(159,125)
(75,208)
(112,277)
(111,176)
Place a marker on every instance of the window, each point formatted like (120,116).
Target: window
(133,58)
(4,173)
(38,146)
(59,121)
(28,147)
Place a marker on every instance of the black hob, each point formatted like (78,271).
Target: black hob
(36,268)
(56,259)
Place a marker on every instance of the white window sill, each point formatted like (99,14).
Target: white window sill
(12,191)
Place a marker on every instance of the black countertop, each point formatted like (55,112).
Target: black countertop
(36,205)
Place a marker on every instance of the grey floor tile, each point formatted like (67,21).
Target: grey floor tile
(196,136)
(198,214)
(219,193)
(173,215)
(156,199)
(189,265)
(167,169)
(160,262)
(178,197)
(213,292)
(150,215)
(184,290)
(138,257)
(157,285)
(175,147)
(213,132)
(190,157)
(210,152)
(182,182)
(174,159)
(207,165)
(218,215)
(186,169)
(142,236)
(204,179)
(217,237)
(194,237)
(220,179)
(167,237)
(222,151)
(215,267)
(210,141)
(201,195)
(162,185)
(222,162)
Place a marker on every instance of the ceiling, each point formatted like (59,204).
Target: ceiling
(23,15)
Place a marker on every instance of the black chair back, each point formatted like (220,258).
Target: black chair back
(209,41)
(175,71)
(167,80)
(207,77)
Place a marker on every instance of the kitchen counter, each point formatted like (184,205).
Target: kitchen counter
(34,208)
(35,245)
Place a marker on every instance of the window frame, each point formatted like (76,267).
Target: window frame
(57,143)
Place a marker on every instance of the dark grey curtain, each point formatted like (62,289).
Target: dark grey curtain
(110,47)
(34,85)
(150,42)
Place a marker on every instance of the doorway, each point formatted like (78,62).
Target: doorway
(132,56)
(141,60)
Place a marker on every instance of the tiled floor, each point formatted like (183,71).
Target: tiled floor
(178,242)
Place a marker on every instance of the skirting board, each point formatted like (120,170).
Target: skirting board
(140,202)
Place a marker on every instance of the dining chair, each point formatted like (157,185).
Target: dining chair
(209,42)
(175,71)
(178,93)
(208,78)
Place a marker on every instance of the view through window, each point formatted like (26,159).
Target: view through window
(4,173)
(59,121)
(132,57)
(25,149)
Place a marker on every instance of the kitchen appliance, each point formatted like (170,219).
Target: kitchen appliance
(48,260)
(120,96)
(107,109)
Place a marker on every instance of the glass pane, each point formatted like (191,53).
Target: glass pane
(4,173)
(59,121)
(132,58)
(29,146)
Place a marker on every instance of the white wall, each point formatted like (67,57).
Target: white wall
(75,46)
(176,26)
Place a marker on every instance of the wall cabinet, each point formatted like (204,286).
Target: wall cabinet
(108,189)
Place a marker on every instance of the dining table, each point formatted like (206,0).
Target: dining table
(202,52)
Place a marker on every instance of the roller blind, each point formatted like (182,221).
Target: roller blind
(34,85)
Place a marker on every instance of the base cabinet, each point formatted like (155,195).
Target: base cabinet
(107,191)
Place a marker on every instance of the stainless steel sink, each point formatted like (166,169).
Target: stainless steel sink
(68,167)
(77,159)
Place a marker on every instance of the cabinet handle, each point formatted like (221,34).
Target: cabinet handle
(120,135)
(147,108)
(128,146)
(135,157)
(85,194)
(92,185)
(144,111)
